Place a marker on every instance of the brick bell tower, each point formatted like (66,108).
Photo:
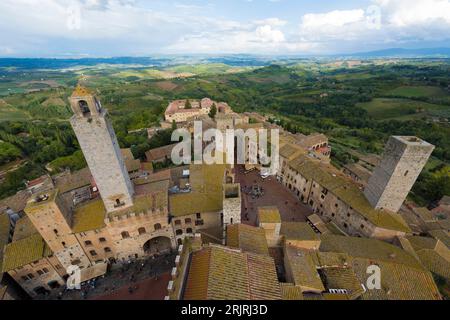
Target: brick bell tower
(101,149)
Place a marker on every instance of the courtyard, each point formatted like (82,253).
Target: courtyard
(134,280)
(259,192)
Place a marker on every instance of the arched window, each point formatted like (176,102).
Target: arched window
(84,108)
(53,284)
(188,220)
(107,249)
(142,231)
(157,226)
(406,173)
(177,222)
(125,235)
(88,243)
(189,230)
(93,253)
(102,240)
(180,242)
(179,232)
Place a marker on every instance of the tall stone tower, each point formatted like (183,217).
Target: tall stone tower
(52,218)
(403,160)
(231,204)
(101,150)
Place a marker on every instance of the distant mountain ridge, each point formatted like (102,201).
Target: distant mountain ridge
(404,53)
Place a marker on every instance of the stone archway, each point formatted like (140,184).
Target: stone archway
(158,245)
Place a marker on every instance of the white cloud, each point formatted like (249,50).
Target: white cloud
(118,27)
(404,13)
(399,22)
(337,18)
(267,34)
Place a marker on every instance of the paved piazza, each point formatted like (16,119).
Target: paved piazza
(275,194)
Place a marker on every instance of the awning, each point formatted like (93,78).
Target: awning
(93,272)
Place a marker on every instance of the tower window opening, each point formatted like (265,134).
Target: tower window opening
(406,173)
(119,203)
(84,108)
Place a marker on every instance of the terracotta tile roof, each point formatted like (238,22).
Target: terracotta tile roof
(435,263)
(424,214)
(89,216)
(72,181)
(160,153)
(16,202)
(131,163)
(419,243)
(149,202)
(403,277)
(24,228)
(298,231)
(333,259)
(154,177)
(220,273)
(197,281)
(5,228)
(441,235)
(290,151)
(353,196)
(247,238)
(434,255)
(368,249)
(25,251)
(81,91)
(37,181)
(302,264)
(195,202)
(269,215)
(342,278)
(206,182)
(291,292)
(313,139)
(348,192)
(359,171)
(398,281)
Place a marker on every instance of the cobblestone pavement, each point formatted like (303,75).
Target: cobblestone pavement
(149,289)
(275,194)
(133,280)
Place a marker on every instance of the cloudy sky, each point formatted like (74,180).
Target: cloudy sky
(59,28)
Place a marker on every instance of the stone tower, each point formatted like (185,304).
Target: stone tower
(101,150)
(52,218)
(403,160)
(231,204)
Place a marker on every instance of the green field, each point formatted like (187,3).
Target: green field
(9,113)
(418,92)
(403,109)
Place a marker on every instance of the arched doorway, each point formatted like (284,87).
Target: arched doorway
(158,245)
